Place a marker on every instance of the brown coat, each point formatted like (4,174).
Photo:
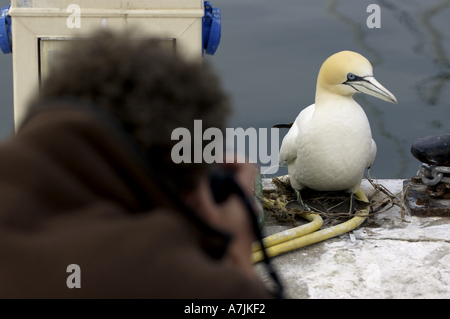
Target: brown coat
(73,192)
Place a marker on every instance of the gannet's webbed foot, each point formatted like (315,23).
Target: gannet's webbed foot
(352,200)
(342,206)
(299,203)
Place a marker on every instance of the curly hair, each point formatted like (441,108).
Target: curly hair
(149,89)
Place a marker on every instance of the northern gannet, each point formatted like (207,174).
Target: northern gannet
(330,143)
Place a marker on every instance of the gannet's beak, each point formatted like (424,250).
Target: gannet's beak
(369,85)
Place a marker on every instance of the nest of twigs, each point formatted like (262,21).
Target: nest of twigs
(333,207)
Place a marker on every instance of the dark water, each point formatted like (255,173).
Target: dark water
(271,52)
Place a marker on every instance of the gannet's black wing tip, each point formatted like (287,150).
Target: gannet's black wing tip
(284,125)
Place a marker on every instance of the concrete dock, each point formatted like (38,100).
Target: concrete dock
(384,258)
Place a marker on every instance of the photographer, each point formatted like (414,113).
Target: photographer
(88,180)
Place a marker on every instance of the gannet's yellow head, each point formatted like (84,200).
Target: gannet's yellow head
(346,73)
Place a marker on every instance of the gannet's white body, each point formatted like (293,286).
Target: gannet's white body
(330,143)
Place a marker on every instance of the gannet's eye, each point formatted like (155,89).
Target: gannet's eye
(351,77)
